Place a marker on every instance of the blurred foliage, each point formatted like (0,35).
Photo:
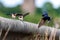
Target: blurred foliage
(8,11)
(48,6)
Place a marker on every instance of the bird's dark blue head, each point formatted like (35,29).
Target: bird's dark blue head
(45,14)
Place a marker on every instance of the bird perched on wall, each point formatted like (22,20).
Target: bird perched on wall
(20,16)
(45,18)
(14,15)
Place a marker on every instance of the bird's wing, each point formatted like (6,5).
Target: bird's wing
(25,14)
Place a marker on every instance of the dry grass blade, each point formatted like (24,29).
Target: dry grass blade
(46,34)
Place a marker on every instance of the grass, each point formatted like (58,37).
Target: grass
(33,18)
(4,15)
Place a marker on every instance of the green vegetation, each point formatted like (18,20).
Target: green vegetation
(33,18)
